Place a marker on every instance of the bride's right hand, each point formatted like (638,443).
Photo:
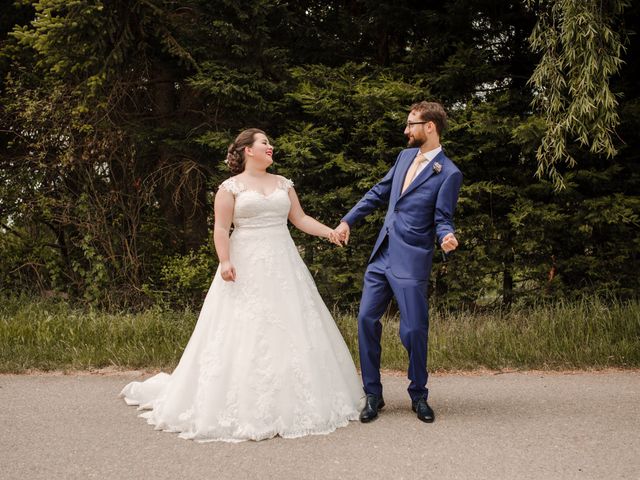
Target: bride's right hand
(228,272)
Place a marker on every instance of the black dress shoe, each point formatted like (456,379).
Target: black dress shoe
(371,407)
(424,411)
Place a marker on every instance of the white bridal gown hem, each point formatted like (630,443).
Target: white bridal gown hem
(266,357)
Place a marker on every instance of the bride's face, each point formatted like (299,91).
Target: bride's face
(261,152)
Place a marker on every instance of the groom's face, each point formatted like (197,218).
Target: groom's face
(415,130)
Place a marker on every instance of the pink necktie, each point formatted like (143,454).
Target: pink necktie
(411,173)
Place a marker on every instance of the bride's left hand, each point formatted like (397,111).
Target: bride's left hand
(335,238)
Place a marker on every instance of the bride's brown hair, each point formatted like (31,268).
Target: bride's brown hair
(235,152)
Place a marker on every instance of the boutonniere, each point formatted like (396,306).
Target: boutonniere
(437,168)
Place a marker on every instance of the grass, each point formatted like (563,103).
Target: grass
(51,336)
(591,333)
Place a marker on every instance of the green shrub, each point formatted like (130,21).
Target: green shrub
(184,279)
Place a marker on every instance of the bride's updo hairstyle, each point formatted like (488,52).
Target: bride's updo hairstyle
(235,153)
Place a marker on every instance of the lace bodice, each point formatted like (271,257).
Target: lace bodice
(253,209)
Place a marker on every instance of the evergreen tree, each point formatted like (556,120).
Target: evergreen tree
(115,117)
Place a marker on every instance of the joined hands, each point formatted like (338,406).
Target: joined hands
(343,232)
(334,238)
(340,235)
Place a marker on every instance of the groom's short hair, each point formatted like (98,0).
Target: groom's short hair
(431,112)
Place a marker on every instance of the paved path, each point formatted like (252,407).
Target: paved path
(496,426)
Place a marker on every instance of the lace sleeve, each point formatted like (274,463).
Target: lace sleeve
(231,186)
(286,183)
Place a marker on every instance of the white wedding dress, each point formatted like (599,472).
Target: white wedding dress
(265,357)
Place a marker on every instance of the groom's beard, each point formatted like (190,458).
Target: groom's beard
(414,142)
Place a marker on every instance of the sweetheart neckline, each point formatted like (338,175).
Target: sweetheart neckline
(247,190)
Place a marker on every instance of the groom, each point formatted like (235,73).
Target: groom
(421,190)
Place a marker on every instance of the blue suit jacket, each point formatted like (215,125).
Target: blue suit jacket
(414,218)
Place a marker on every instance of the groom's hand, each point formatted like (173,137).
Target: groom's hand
(449,243)
(335,238)
(343,230)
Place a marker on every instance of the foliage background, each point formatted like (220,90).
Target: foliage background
(115,116)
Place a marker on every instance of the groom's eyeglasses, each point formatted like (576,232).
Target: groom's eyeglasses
(411,124)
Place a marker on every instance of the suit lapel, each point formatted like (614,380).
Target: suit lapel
(424,174)
(408,160)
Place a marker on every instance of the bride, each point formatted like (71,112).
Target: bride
(265,357)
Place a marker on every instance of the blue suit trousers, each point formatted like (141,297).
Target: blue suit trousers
(380,285)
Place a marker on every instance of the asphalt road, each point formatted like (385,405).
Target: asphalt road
(535,425)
